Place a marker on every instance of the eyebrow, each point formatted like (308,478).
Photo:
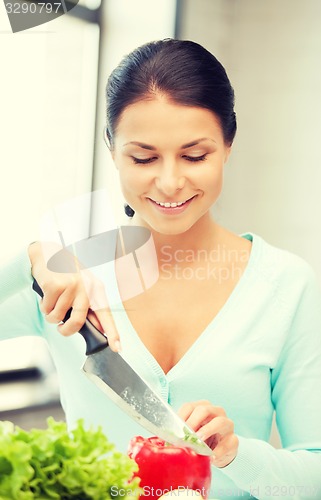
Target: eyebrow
(184,146)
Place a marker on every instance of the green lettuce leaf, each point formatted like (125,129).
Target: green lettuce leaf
(54,463)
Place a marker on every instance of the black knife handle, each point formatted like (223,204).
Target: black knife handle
(95,340)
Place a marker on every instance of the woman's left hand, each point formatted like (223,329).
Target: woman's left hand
(214,427)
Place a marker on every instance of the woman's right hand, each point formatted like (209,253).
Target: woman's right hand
(63,291)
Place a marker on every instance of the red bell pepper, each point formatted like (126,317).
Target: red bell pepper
(164,468)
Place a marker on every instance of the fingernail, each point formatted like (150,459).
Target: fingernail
(117,346)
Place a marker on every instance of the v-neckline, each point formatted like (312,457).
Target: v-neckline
(130,334)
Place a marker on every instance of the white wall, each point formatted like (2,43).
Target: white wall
(47,115)
(272,53)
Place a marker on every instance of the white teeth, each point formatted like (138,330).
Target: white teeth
(170,205)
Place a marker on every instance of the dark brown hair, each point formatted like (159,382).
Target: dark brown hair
(181,69)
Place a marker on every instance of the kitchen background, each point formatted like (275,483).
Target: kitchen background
(52,116)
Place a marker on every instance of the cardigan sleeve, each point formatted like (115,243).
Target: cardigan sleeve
(19,310)
(294,471)
(15,276)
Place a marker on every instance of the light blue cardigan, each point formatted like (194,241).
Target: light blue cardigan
(261,353)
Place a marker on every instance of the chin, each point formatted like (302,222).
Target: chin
(170,229)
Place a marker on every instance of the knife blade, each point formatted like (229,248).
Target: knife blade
(122,384)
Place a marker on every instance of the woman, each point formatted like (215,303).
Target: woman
(231,329)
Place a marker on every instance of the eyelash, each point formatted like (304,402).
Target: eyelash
(196,158)
(145,161)
(142,161)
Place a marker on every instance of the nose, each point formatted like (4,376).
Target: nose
(170,178)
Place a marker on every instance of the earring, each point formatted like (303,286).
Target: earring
(128,210)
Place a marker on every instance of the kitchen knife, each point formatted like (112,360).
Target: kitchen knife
(116,378)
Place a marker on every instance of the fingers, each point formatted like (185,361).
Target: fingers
(94,320)
(99,304)
(218,425)
(198,413)
(107,323)
(79,312)
(59,298)
(187,408)
(81,307)
(80,291)
(56,302)
(225,451)
(214,427)
(51,293)
(102,320)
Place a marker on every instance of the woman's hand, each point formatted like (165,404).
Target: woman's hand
(214,427)
(80,291)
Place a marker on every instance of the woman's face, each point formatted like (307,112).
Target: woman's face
(170,160)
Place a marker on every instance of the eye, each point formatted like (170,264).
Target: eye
(143,161)
(195,158)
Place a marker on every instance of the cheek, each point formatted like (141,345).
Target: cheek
(213,181)
(132,181)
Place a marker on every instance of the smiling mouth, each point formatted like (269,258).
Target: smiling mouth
(174,204)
